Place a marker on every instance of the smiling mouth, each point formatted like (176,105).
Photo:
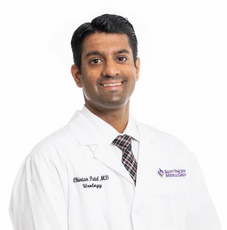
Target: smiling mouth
(112,84)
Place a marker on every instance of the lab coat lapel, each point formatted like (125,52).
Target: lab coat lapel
(105,154)
(86,134)
(147,165)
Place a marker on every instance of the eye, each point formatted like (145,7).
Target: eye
(95,61)
(122,59)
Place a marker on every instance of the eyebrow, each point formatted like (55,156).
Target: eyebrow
(123,51)
(99,53)
(93,53)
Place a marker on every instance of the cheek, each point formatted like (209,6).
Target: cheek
(89,85)
(90,75)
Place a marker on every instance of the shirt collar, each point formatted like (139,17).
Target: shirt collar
(132,129)
(106,131)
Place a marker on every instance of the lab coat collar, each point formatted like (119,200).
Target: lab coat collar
(83,130)
(86,134)
(149,134)
(106,131)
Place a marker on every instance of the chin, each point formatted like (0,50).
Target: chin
(115,104)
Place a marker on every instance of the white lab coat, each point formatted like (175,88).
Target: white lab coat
(73,181)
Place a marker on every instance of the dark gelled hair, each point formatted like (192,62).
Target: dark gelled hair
(106,23)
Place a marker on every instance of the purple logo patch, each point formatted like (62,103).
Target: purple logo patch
(172,173)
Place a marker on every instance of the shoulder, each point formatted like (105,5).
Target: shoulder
(59,142)
(52,145)
(65,141)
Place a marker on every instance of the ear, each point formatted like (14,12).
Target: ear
(76,75)
(137,66)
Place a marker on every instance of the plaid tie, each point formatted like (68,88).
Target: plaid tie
(124,143)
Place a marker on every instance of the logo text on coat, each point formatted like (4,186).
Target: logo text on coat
(91,181)
(172,173)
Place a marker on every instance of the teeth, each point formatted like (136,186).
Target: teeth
(112,84)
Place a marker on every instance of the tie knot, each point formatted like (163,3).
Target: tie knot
(123,142)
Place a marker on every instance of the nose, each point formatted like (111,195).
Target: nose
(110,69)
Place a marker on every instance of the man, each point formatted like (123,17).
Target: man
(104,170)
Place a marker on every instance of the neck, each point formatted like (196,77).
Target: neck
(117,118)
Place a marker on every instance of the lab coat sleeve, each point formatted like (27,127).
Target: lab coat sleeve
(202,214)
(38,201)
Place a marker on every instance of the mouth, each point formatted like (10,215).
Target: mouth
(112,84)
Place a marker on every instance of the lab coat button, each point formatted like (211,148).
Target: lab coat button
(138,210)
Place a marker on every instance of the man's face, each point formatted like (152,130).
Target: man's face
(108,73)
